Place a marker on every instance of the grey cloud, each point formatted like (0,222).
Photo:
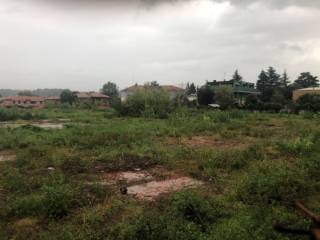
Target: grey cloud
(99,3)
(172,43)
(276,3)
(290,47)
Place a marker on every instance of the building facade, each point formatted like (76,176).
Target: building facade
(96,98)
(300,92)
(240,89)
(23,102)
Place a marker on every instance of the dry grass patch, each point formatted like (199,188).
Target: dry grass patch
(7,156)
(215,142)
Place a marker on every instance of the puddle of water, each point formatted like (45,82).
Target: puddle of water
(7,157)
(151,190)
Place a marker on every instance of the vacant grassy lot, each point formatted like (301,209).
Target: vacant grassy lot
(55,183)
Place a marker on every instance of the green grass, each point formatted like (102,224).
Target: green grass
(246,189)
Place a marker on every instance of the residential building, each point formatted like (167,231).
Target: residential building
(23,102)
(53,100)
(92,98)
(173,91)
(300,92)
(240,89)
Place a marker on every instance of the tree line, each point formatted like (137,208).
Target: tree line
(275,90)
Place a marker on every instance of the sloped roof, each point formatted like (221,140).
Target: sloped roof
(23,98)
(171,88)
(90,95)
(168,88)
(52,98)
(309,89)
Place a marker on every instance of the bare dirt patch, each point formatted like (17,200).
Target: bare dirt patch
(127,177)
(147,184)
(7,156)
(44,125)
(151,190)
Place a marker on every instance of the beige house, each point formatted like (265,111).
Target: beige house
(300,92)
(92,97)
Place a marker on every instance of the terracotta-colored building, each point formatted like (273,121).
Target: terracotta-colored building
(22,102)
(300,92)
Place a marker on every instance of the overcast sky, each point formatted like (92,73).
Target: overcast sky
(80,44)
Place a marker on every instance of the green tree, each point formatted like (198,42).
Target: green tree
(263,85)
(268,82)
(191,89)
(306,80)
(309,102)
(67,96)
(224,97)
(236,78)
(205,95)
(110,89)
(273,78)
(147,103)
(25,93)
(154,84)
(284,80)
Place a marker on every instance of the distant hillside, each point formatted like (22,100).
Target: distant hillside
(38,92)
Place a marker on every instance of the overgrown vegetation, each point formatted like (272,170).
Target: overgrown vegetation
(253,167)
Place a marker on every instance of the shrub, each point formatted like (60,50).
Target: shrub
(147,103)
(59,198)
(272,107)
(29,205)
(253,103)
(224,97)
(13,114)
(153,225)
(271,184)
(297,146)
(205,95)
(309,102)
(193,207)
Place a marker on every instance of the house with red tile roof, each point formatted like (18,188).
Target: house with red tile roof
(22,102)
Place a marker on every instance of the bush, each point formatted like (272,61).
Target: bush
(224,97)
(272,107)
(153,225)
(205,95)
(191,206)
(147,103)
(13,114)
(297,147)
(253,103)
(59,198)
(29,205)
(309,102)
(271,184)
